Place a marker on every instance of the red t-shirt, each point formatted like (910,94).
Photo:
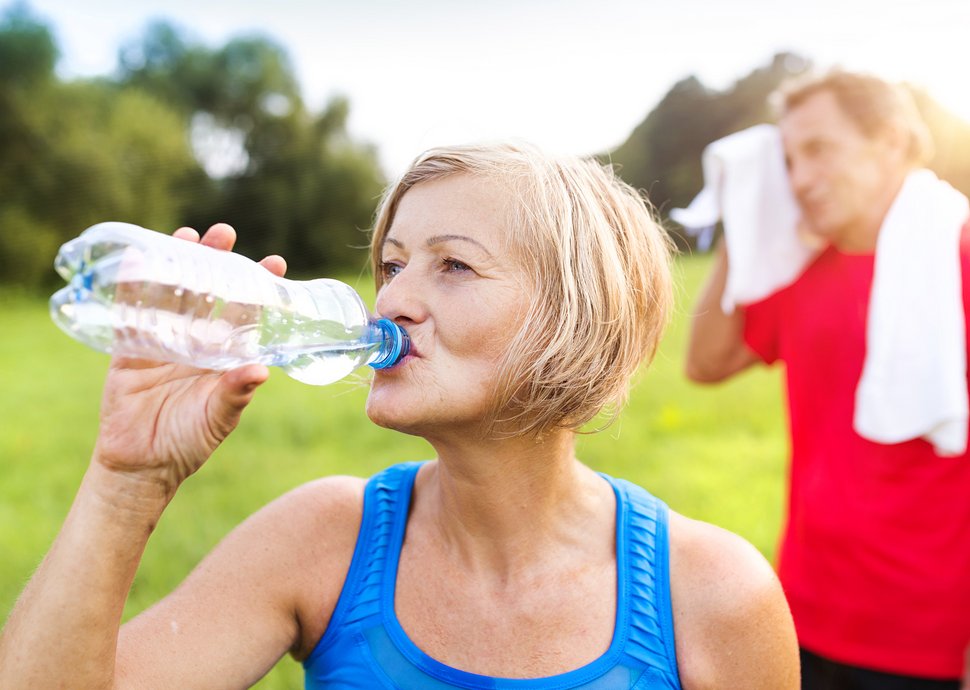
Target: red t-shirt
(875,554)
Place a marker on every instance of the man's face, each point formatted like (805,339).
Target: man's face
(840,178)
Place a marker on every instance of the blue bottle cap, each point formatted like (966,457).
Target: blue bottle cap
(400,344)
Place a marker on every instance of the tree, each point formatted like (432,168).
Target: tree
(75,154)
(297,184)
(28,52)
(663,154)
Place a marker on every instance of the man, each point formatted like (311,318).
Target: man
(875,553)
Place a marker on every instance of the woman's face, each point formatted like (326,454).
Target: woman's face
(453,282)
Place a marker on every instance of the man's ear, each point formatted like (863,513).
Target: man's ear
(896,142)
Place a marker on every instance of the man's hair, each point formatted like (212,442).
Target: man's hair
(599,267)
(871,103)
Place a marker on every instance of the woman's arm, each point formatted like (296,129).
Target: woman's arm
(267,589)
(62,631)
(732,623)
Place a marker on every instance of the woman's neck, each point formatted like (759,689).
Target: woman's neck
(494,502)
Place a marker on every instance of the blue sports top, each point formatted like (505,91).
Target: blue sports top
(365,647)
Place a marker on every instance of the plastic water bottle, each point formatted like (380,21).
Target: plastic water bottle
(139,293)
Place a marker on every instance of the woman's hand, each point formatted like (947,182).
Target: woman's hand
(161,421)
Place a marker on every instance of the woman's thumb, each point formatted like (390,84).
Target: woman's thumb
(233,393)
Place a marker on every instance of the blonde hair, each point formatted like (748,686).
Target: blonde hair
(871,103)
(602,283)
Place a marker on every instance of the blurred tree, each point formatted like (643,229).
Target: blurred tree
(662,156)
(291,182)
(75,153)
(28,52)
(27,58)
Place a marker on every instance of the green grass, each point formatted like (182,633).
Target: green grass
(713,453)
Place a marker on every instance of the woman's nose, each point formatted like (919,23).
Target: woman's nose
(401,299)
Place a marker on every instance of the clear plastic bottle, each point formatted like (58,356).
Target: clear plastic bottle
(140,293)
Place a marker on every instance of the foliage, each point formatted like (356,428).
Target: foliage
(28,52)
(301,187)
(663,154)
(182,134)
(77,153)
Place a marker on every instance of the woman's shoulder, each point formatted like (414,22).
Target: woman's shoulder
(712,561)
(332,504)
(335,504)
(331,496)
(731,618)
(313,530)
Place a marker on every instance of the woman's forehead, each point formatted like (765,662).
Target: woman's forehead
(455,208)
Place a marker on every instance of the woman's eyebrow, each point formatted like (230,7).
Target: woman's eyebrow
(438,239)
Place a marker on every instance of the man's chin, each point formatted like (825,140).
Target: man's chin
(812,239)
(813,234)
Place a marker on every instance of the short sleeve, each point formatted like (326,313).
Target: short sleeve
(762,321)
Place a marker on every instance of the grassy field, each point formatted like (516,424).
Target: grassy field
(713,453)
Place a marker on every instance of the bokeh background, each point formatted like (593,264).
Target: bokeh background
(287,119)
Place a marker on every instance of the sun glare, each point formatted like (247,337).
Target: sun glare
(952,93)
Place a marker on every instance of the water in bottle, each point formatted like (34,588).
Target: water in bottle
(139,293)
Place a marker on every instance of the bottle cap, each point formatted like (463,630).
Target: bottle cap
(400,344)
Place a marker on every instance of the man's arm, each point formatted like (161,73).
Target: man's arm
(716,348)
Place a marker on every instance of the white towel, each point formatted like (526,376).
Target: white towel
(746,187)
(913,383)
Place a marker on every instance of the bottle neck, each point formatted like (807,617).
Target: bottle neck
(395,344)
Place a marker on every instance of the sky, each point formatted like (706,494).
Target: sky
(571,76)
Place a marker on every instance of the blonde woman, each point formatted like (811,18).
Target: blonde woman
(532,288)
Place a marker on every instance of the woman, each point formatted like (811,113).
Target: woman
(532,289)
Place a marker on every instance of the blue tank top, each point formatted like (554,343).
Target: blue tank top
(365,647)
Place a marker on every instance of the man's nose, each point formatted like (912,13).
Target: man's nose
(799,176)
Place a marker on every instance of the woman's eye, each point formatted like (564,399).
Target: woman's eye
(389,270)
(455,266)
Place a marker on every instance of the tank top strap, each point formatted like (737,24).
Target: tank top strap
(386,497)
(643,561)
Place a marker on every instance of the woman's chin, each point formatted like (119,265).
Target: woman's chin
(387,413)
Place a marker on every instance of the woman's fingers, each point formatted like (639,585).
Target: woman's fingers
(274,264)
(218,236)
(223,236)
(234,391)
(189,234)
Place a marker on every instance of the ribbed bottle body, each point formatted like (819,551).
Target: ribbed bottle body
(137,293)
